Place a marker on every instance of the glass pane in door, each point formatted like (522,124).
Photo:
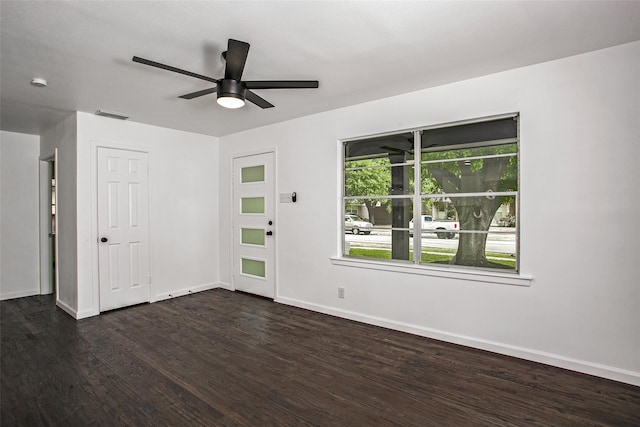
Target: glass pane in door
(253,236)
(252,174)
(252,205)
(253,267)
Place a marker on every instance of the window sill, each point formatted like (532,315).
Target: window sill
(513,279)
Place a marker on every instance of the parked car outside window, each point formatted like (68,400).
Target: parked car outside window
(357,225)
(442,228)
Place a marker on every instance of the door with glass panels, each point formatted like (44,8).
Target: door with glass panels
(254,224)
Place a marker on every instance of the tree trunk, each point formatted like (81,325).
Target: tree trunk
(474,213)
(369,206)
(474,216)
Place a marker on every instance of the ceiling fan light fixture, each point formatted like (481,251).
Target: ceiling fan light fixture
(231,93)
(230,101)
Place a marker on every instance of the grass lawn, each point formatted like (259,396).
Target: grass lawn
(431,256)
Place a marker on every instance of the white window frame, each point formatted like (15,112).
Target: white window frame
(416,267)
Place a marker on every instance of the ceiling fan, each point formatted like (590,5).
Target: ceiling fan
(231,90)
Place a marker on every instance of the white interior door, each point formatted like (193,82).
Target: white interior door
(123,228)
(254,224)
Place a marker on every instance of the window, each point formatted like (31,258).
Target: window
(459,193)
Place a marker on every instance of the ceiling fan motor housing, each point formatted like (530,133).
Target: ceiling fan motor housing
(231,88)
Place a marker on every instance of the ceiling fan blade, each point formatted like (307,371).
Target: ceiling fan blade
(199,93)
(283,84)
(174,69)
(236,57)
(260,102)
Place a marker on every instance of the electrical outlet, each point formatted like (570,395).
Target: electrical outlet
(340,292)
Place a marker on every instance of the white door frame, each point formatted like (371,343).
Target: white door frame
(266,150)
(47,258)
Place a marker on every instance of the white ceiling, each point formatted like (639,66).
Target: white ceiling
(359,51)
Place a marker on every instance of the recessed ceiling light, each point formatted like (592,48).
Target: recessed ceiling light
(38,82)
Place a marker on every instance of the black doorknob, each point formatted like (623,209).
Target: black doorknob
(104,239)
(269,233)
(270,222)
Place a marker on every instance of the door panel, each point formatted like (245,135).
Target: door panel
(123,231)
(252,174)
(253,235)
(254,267)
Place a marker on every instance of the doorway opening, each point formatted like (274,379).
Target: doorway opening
(52,230)
(48,227)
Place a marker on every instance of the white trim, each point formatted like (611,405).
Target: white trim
(232,224)
(449,273)
(604,371)
(87,313)
(340,202)
(488,193)
(390,165)
(44,210)
(20,294)
(389,196)
(56,228)
(426,162)
(255,152)
(434,195)
(417,197)
(417,201)
(433,126)
(67,309)
(484,232)
(185,291)
(225,286)
(460,159)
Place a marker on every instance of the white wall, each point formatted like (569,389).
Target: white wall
(183,202)
(580,152)
(63,137)
(19,226)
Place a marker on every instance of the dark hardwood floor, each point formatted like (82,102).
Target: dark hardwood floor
(223,358)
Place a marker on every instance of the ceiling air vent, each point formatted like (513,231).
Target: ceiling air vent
(112,114)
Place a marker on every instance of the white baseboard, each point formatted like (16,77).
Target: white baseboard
(87,313)
(185,291)
(226,286)
(67,309)
(20,294)
(168,295)
(604,371)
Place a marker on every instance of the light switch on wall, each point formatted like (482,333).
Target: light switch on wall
(285,198)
